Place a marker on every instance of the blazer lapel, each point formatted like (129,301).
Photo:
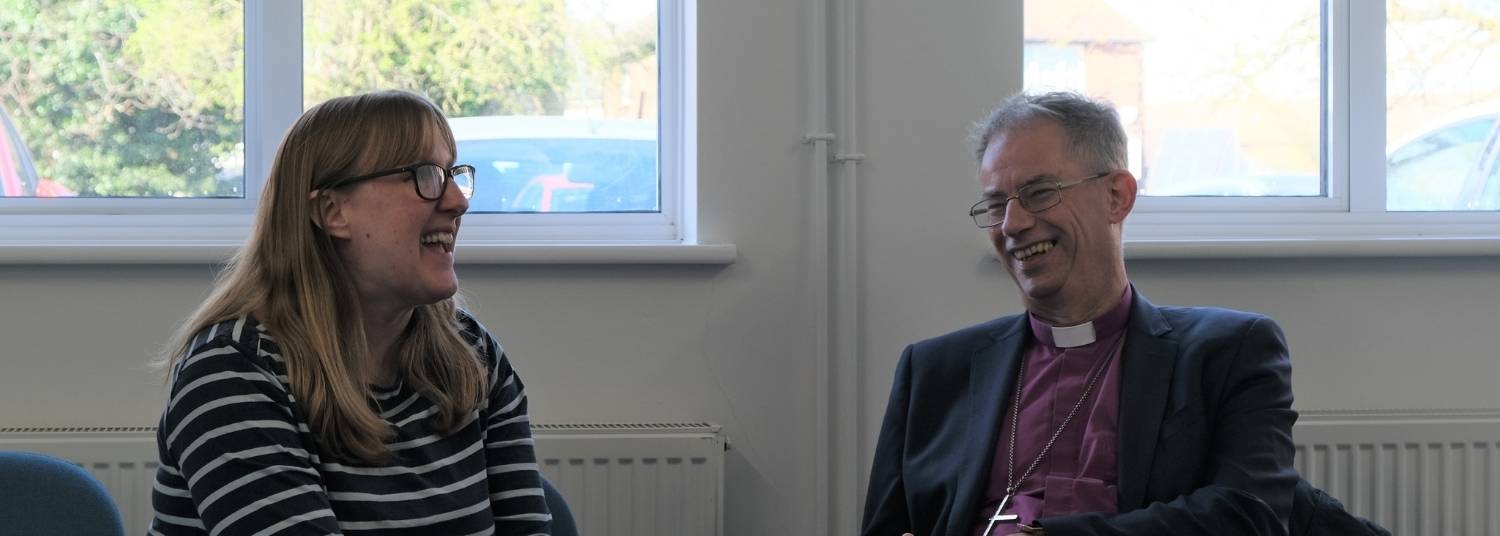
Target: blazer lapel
(992,376)
(1146,372)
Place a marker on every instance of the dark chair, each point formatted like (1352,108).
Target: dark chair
(41,494)
(1316,513)
(562,516)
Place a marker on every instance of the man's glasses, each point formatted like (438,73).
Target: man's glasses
(429,179)
(1034,197)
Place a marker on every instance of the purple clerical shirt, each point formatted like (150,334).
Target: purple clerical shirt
(1078,475)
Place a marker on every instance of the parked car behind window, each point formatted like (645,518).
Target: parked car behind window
(18,176)
(559,164)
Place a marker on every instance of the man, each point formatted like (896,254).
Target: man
(1095,412)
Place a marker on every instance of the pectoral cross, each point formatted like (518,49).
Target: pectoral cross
(999,515)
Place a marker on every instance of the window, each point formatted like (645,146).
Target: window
(558,120)
(125,122)
(1441,105)
(1291,118)
(123,100)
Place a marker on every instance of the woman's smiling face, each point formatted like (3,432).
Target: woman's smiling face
(398,247)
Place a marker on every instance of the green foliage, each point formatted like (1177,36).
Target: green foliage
(469,57)
(146,97)
(114,97)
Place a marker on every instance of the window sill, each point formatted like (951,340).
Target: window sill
(1249,248)
(216,251)
(1239,235)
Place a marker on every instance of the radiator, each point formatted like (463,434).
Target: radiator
(627,480)
(1416,473)
(639,479)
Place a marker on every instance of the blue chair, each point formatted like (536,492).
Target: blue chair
(41,494)
(562,516)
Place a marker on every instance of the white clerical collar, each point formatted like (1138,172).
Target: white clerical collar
(1073,336)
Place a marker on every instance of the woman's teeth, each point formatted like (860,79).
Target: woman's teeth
(443,239)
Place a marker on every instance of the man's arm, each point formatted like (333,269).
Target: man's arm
(885,503)
(1250,478)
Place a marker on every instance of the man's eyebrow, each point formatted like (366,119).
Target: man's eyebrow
(1040,177)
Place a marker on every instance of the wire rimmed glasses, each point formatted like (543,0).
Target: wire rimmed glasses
(1034,197)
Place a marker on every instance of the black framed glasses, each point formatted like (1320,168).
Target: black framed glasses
(430,180)
(1034,197)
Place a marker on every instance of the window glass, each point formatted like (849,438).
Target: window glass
(553,102)
(1218,97)
(125,98)
(1442,103)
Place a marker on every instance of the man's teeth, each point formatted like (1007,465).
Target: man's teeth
(438,238)
(1036,249)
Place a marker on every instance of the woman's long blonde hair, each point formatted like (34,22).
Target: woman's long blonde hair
(291,278)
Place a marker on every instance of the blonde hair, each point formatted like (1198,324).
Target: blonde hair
(291,278)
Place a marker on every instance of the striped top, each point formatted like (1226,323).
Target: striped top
(237,456)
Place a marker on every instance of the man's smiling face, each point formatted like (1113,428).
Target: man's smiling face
(1065,253)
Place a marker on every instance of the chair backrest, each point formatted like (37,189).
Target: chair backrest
(562,516)
(41,494)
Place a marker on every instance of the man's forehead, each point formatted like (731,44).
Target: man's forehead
(1010,184)
(1020,156)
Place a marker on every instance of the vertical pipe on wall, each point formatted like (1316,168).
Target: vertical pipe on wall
(819,258)
(846,275)
(834,273)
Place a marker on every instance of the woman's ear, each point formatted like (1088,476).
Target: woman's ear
(328,213)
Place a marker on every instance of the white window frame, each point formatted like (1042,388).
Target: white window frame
(82,230)
(1351,220)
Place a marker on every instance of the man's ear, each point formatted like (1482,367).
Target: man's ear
(1122,189)
(328,213)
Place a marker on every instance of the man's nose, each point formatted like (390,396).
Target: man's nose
(1016,219)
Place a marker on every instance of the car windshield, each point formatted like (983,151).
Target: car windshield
(1445,169)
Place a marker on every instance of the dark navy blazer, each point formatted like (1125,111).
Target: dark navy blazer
(1205,437)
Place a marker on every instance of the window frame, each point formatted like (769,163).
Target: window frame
(208,230)
(1351,220)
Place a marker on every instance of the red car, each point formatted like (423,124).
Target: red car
(18,176)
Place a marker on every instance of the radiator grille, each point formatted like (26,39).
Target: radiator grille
(619,479)
(1415,472)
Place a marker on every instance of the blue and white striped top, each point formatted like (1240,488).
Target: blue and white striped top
(237,456)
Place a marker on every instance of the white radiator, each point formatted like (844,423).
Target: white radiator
(627,480)
(1416,473)
(637,479)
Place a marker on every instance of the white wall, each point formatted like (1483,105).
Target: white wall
(733,344)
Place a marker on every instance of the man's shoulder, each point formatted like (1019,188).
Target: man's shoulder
(1215,330)
(978,334)
(1210,319)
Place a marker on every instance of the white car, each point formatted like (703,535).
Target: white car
(1453,164)
(559,164)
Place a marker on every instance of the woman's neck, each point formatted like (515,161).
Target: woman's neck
(382,329)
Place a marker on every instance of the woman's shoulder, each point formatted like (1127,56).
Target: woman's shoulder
(474,333)
(471,329)
(239,344)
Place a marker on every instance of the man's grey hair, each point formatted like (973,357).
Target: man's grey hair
(1095,137)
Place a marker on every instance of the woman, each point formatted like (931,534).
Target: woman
(331,384)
